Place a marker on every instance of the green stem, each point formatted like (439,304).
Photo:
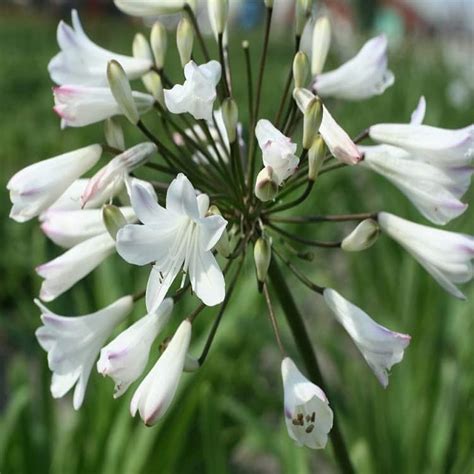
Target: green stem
(197,30)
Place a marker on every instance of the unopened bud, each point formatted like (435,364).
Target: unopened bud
(362,237)
(185,40)
(302,12)
(140,47)
(223,245)
(113,219)
(218,11)
(316,156)
(302,97)
(230,116)
(154,86)
(266,186)
(158,41)
(121,90)
(262,255)
(191,364)
(321,42)
(268,3)
(312,121)
(114,134)
(300,69)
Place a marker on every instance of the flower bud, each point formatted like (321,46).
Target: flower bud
(114,134)
(268,3)
(312,121)
(262,254)
(158,42)
(302,98)
(362,237)
(154,86)
(185,40)
(218,12)
(266,185)
(230,116)
(300,69)
(223,245)
(302,12)
(121,90)
(141,48)
(113,219)
(321,42)
(316,156)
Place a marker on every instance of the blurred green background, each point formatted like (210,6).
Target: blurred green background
(228,416)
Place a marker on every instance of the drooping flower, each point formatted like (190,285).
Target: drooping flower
(445,255)
(82,105)
(36,187)
(151,7)
(362,77)
(69,228)
(308,416)
(82,62)
(113,175)
(65,271)
(124,359)
(198,93)
(156,391)
(73,344)
(380,347)
(177,237)
(278,151)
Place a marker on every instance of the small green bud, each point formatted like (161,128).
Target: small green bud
(266,185)
(185,40)
(316,156)
(223,245)
(302,13)
(362,237)
(140,47)
(300,69)
(321,42)
(302,97)
(113,219)
(114,134)
(262,254)
(312,121)
(218,12)
(159,43)
(154,86)
(230,116)
(121,90)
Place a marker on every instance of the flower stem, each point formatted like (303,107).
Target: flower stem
(197,30)
(298,329)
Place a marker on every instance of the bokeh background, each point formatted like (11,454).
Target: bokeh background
(228,416)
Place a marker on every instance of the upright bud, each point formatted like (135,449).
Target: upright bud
(321,42)
(114,134)
(141,48)
(316,156)
(218,12)
(302,97)
(302,12)
(266,185)
(113,219)
(362,237)
(300,69)
(230,116)
(312,121)
(121,90)
(223,245)
(262,255)
(158,44)
(154,86)
(185,40)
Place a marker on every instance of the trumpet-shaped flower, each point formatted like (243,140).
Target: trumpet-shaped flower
(66,270)
(36,187)
(156,391)
(69,228)
(380,347)
(362,77)
(124,359)
(445,255)
(82,105)
(198,93)
(278,150)
(177,237)
(308,416)
(151,7)
(82,62)
(73,344)
(113,175)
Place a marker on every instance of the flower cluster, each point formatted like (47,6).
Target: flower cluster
(210,207)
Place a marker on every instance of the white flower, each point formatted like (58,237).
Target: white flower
(66,270)
(156,391)
(175,237)
(434,191)
(113,175)
(445,255)
(362,77)
(69,228)
(308,416)
(380,347)
(278,150)
(151,7)
(82,62)
(198,93)
(73,344)
(82,105)
(36,187)
(124,359)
